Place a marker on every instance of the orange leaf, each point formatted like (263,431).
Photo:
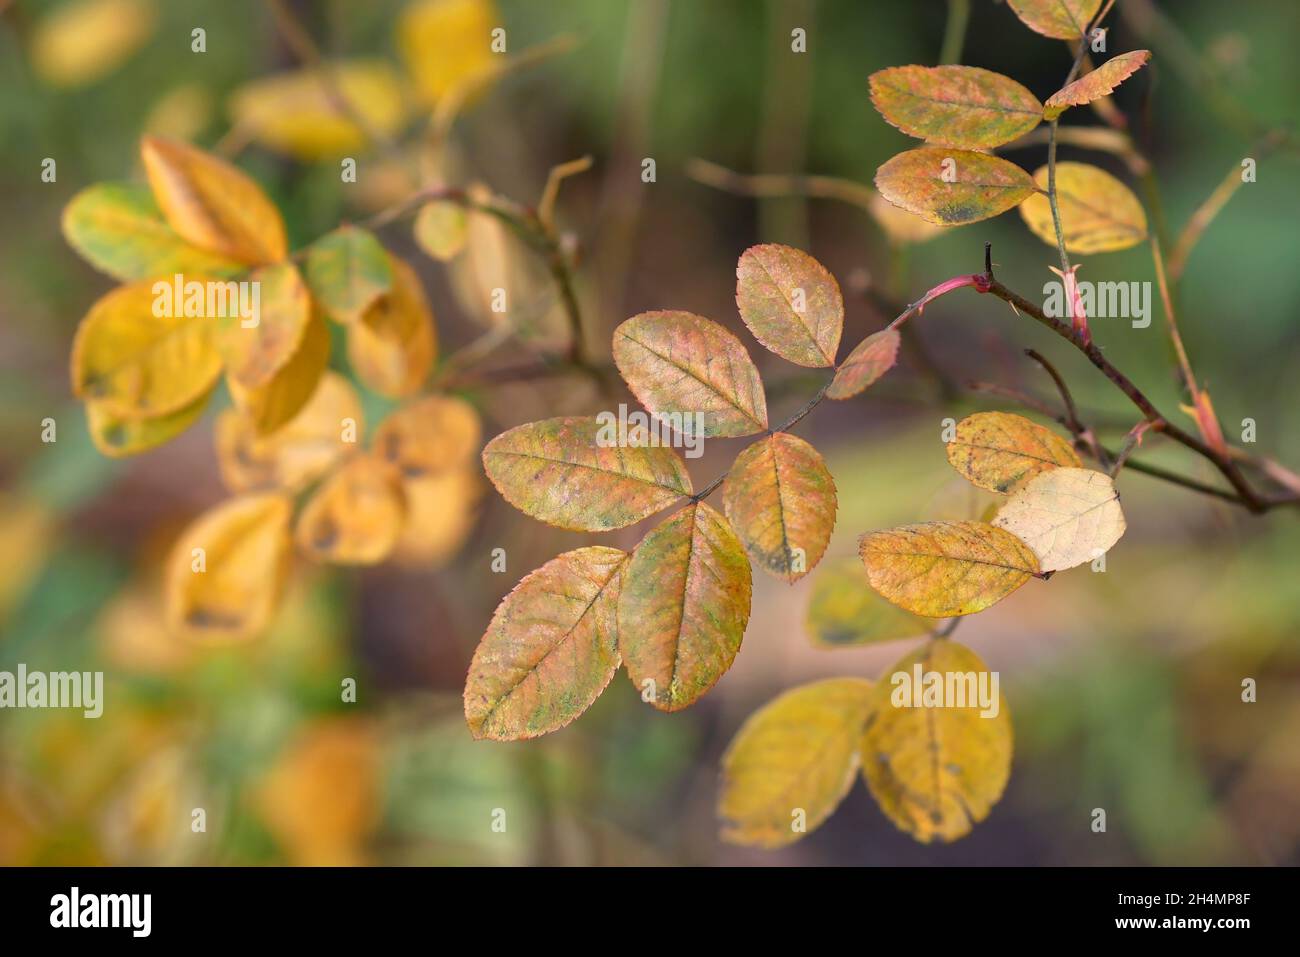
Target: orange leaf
(1061,19)
(1100,82)
(870,359)
(791,304)
(949,187)
(962,106)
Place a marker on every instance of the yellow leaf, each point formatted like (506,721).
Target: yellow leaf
(432,435)
(445,43)
(1061,19)
(780,499)
(212,204)
(272,405)
(28,531)
(1001,452)
(792,762)
(440,514)
(683,367)
(294,112)
(321,798)
(355,517)
(299,452)
(869,360)
(568,472)
(1068,516)
(1099,214)
(83,41)
(393,347)
(253,354)
(844,611)
(550,649)
(684,607)
(139,365)
(943,569)
(225,573)
(117,436)
(936,765)
(182,113)
(899,225)
(441,229)
(790,303)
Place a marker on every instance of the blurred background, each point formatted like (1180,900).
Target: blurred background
(1124,687)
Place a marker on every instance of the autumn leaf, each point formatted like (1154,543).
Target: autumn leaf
(870,359)
(1099,214)
(1097,84)
(348,270)
(1068,516)
(81,42)
(684,607)
(844,611)
(550,649)
(949,187)
(568,472)
(441,511)
(226,571)
(297,453)
(1000,452)
(961,106)
(119,436)
(355,517)
(901,227)
(441,229)
(138,365)
(445,43)
(254,354)
(936,770)
(944,569)
(434,434)
(295,113)
(792,762)
(780,500)
(212,204)
(118,229)
(681,366)
(393,346)
(1060,19)
(271,406)
(791,304)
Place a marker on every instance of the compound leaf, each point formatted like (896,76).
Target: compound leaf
(550,649)
(944,569)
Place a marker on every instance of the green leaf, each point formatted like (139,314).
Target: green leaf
(961,106)
(348,270)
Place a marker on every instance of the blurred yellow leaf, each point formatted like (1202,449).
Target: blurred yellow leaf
(283,396)
(942,569)
(791,763)
(440,513)
(182,113)
(82,41)
(134,633)
(295,114)
(429,436)
(780,500)
(139,365)
(27,531)
(441,229)
(1000,452)
(445,43)
(300,451)
(1068,516)
(934,768)
(844,610)
(550,649)
(254,354)
(1099,214)
(900,225)
(321,797)
(212,204)
(356,516)
(118,436)
(393,347)
(226,571)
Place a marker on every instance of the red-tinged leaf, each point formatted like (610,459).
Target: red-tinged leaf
(572,472)
(684,607)
(1100,82)
(550,650)
(780,499)
(961,106)
(1061,19)
(872,358)
(949,187)
(791,304)
(681,366)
